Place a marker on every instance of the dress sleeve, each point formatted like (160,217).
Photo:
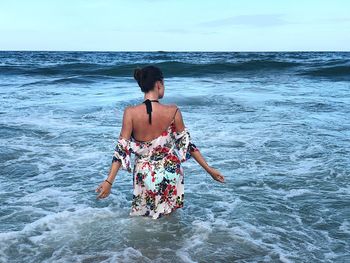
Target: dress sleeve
(122,154)
(184,146)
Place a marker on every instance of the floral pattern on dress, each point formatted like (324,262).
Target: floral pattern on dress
(158,177)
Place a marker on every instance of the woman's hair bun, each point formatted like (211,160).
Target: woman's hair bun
(138,75)
(147,76)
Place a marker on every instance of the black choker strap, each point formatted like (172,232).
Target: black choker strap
(149,108)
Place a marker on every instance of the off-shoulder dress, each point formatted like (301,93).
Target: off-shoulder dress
(158,176)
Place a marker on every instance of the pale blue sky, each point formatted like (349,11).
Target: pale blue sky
(175,25)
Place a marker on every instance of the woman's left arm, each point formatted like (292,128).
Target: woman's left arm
(215,174)
(104,188)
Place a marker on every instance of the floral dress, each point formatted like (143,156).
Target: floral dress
(158,177)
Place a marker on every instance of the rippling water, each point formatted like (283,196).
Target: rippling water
(275,124)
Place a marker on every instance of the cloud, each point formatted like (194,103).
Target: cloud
(183,31)
(263,20)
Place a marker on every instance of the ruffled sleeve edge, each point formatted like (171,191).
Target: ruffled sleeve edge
(184,145)
(122,153)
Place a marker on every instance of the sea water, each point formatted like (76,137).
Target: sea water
(276,125)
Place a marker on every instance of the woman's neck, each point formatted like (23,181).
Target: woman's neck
(151,97)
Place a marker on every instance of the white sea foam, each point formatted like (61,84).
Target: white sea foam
(345,227)
(58,229)
(297,192)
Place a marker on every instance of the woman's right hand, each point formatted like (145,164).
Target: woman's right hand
(217,176)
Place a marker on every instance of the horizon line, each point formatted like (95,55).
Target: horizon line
(172,51)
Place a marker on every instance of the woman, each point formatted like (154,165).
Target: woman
(156,134)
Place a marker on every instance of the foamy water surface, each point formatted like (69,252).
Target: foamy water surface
(275,124)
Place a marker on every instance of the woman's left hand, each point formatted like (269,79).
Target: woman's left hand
(217,176)
(104,188)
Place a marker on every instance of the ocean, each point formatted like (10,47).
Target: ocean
(276,124)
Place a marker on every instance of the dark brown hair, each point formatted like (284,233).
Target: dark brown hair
(147,76)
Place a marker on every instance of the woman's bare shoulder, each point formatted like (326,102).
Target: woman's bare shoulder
(171,106)
(135,109)
(129,108)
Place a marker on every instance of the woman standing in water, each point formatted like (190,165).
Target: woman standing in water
(156,134)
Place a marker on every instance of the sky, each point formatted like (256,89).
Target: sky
(175,25)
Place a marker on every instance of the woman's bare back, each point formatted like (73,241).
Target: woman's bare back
(162,116)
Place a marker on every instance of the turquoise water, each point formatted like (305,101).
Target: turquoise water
(275,124)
